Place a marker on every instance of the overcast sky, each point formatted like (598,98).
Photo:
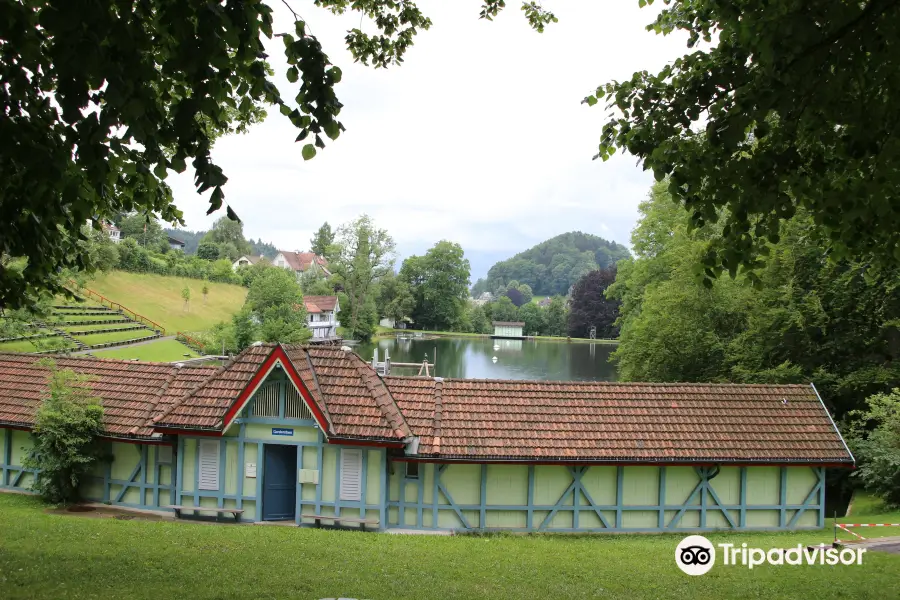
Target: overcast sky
(479,137)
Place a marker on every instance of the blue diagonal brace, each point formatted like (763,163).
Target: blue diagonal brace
(587,496)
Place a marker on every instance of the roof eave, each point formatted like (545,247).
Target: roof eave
(567,460)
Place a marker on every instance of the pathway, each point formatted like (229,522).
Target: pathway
(888,544)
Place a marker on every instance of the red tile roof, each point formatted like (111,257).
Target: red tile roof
(301,261)
(323,303)
(458,419)
(129,391)
(354,400)
(624,422)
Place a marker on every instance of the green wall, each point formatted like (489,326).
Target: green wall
(597,498)
(134,477)
(237,490)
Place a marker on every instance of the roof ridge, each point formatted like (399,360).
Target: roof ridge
(312,369)
(437,415)
(158,418)
(162,392)
(389,409)
(610,383)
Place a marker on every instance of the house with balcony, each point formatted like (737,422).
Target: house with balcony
(322,319)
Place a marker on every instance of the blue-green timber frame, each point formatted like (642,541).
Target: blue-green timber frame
(239,497)
(11,475)
(708,502)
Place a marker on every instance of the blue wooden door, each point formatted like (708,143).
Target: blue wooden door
(279,483)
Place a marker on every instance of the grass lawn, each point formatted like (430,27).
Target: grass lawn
(57,343)
(115,336)
(58,556)
(866,508)
(158,297)
(161,351)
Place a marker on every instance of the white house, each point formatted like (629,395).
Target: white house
(176,244)
(508,329)
(246,260)
(114,233)
(301,262)
(483,299)
(322,319)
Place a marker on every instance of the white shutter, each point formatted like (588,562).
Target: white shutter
(351,475)
(209,465)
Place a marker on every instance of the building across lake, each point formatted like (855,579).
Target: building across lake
(313,436)
(508,329)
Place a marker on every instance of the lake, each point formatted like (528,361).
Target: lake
(472,358)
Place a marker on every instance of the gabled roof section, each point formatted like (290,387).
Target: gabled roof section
(360,404)
(301,261)
(215,403)
(130,392)
(345,395)
(465,419)
(323,303)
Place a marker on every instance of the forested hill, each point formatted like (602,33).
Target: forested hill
(552,266)
(192,241)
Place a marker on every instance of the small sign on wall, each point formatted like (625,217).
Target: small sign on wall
(250,470)
(165,455)
(282,431)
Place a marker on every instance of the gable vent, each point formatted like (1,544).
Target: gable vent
(208,477)
(294,406)
(266,402)
(351,475)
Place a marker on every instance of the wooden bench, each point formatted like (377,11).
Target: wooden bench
(235,512)
(340,519)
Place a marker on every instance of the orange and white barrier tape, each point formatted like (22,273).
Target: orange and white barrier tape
(844,526)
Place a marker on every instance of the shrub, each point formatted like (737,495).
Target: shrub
(874,438)
(67,433)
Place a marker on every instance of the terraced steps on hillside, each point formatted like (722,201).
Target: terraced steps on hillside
(33,336)
(77,322)
(78,344)
(84,329)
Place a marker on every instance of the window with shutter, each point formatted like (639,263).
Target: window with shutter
(351,474)
(164,455)
(209,465)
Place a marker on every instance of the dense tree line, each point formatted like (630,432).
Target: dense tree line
(805,316)
(553,266)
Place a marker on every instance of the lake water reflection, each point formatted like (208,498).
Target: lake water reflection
(472,358)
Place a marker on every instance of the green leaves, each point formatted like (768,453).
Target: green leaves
(97,107)
(794,101)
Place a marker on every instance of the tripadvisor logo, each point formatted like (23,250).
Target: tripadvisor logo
(696,555)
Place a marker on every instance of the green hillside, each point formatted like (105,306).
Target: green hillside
(554,265)
(158,297)
(159,351)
